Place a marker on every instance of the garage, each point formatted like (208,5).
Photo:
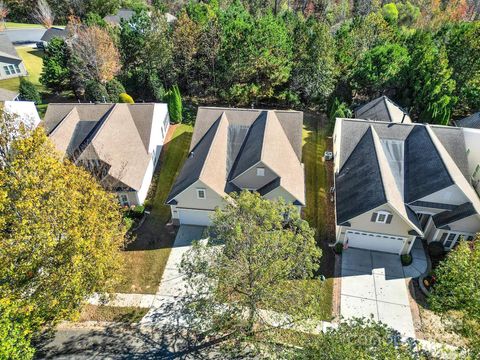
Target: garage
(194,217)
(375,241)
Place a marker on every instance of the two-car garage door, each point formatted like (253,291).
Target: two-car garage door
(374,241)
(194,217)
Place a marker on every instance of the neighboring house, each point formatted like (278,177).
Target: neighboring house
(11,65)
(473,121)
(25,111)
(398,181)
(7,95)
(382,109)
(236,149)
(51,33)
(119,143)
(122,14)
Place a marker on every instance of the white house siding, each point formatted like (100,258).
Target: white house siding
(147,180)
(160,126)
(11,62)
(472,145)
(451,195)
(398,227)
(336,146)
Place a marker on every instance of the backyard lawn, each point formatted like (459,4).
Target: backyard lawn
(317,197)
(147,255)
(34,64)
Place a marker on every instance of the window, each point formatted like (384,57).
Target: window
(201,194)
(11,69)
(450,240)
(124,200)
(382,217)
(260,171)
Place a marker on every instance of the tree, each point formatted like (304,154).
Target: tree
(28,91)
(61,232)
(314,74)
(44,14)
(380,69)
(114,89)
(56,71)
(390,13)
(98,56)
(431,84)
(3,13)
(261,255)
(15,331)
(96,92)
(255,56)
(146,53)
(456,293)
(360,339)
(103,7)
(174,100)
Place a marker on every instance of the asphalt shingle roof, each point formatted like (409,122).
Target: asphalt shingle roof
(382,109)
(54,32)
(6,47)
(459,213)
(472,121)
(355,195)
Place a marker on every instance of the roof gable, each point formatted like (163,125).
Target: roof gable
(382,109)
(354,194)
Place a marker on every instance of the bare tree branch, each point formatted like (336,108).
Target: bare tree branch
(44,14)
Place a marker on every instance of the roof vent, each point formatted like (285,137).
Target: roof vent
(192,154)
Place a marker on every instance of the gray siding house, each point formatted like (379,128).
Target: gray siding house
(11,65)
(396,181)
(234,150)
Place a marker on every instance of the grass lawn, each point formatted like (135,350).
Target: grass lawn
(33,62)
(147,254)
(112,314)
(317,197)
(14,25)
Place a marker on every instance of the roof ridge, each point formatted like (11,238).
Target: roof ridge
(222,117)
(452,167)
(61,121)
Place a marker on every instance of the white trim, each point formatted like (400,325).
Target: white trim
(382,213)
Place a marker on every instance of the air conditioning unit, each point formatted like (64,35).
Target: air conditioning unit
(328,155)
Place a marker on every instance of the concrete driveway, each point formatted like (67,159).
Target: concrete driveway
(373,285)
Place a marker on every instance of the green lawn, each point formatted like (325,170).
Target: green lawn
(33,62)
(147,255)
(14,25)
(315,212)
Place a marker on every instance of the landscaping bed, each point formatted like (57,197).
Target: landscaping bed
(112,314)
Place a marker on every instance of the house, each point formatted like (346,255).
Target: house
(51,33)
(472,121)
(398,181)
(122,14)
(11,65)
(382,109)
(119,143)
(7,95)
(237,149)
(25,111)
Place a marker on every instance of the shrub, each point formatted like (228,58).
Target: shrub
(125,98)
(94,91)
(390,13)
(406,259)
(28,91)
(114,89)
(174,100)
(128,222)
(338,248)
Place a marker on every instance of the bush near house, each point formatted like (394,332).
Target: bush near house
(114,89)
(406,259)
(29,92)
(94,91)
(125,98)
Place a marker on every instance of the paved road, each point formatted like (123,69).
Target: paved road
(123,342)
(373,284)
(23,36)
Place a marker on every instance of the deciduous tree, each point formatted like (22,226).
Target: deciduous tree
(260,256)
(60,231)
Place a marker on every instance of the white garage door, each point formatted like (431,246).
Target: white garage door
(194,217)
(373,241)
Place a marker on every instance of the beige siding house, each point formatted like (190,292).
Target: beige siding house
(119,143)
(234,150)
(396,180)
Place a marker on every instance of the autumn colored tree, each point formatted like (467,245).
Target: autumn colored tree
(98,56)
(60,233)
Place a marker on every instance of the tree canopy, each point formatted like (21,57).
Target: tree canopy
(60,231)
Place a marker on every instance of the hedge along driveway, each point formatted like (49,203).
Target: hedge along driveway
(146,257)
